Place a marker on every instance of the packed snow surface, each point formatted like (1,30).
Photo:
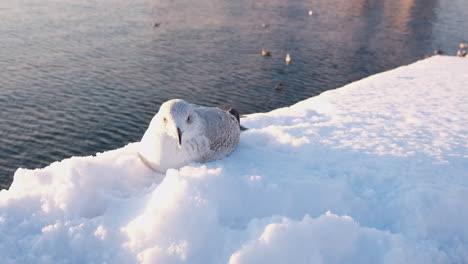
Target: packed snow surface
(374,172)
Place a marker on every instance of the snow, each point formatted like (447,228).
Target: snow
(373,172)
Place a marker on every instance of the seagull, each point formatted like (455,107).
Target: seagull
(288,58)
(181,133)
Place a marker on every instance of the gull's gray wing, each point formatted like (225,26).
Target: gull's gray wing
(221,128)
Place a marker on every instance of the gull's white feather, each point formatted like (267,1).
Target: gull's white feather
(206,134)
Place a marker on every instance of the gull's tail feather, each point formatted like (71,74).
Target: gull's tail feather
(235,113)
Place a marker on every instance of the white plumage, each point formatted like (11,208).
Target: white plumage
(288,58)
(181,133)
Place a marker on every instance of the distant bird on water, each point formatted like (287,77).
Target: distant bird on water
(181,133)
(265,53)
(279,87)
(288,58)
(461,53)
(311,12)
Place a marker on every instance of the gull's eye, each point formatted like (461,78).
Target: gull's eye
(189,119)
(165,120)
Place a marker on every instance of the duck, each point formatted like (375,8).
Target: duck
(265,53)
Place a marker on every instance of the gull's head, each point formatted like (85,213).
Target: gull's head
(178,118)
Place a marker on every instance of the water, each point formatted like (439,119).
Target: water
(84,76)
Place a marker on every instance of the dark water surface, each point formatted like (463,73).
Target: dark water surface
(84,76)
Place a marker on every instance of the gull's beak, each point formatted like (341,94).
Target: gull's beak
(179,137)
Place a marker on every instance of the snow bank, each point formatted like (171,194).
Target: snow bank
(374,172)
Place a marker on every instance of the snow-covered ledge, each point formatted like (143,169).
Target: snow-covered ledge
(374,172)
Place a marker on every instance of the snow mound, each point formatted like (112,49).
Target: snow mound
(374,172)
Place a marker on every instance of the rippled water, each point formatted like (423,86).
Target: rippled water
(84,76)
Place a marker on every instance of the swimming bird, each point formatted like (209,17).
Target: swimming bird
(311,12)
(288,58)
(461,53)
(279,87)
(181,133)
(265,53)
